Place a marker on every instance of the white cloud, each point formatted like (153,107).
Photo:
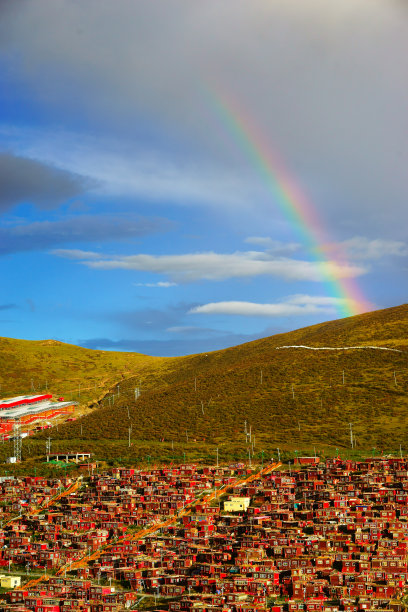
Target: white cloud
(159,284)
(218,266)
(182,329)
(293,306)
(273,246)
(360,247)
(75,254)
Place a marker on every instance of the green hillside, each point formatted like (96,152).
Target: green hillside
(293,398)
(63,369)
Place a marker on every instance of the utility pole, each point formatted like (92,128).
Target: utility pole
(217,457)
(48,447)
(351,435)
(130,431)
(79,391)
(249,457)
(261,377)
(278,455)
(293,392)
(17,440)
(343,377)
(395,379)
(195,383)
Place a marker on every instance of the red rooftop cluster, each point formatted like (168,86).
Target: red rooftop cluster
(327,536)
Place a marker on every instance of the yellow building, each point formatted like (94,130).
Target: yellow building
(237,504)
(10,582)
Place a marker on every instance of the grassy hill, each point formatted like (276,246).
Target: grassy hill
(63,369)
(291,398)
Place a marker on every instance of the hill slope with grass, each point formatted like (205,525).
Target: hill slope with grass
(64,369)
(294,398)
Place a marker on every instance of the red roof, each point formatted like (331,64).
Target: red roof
(21,401)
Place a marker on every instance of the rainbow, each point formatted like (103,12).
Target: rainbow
(336,274)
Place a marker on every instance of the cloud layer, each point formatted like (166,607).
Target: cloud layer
(308,71)
(25,180)
(297,305)
(363,248)
(212,266)
(42,235)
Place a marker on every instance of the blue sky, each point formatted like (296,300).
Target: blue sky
(131,219)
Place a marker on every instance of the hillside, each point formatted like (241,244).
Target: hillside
(293,398)
(63,369)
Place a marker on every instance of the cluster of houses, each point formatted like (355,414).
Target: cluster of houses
(323,536)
